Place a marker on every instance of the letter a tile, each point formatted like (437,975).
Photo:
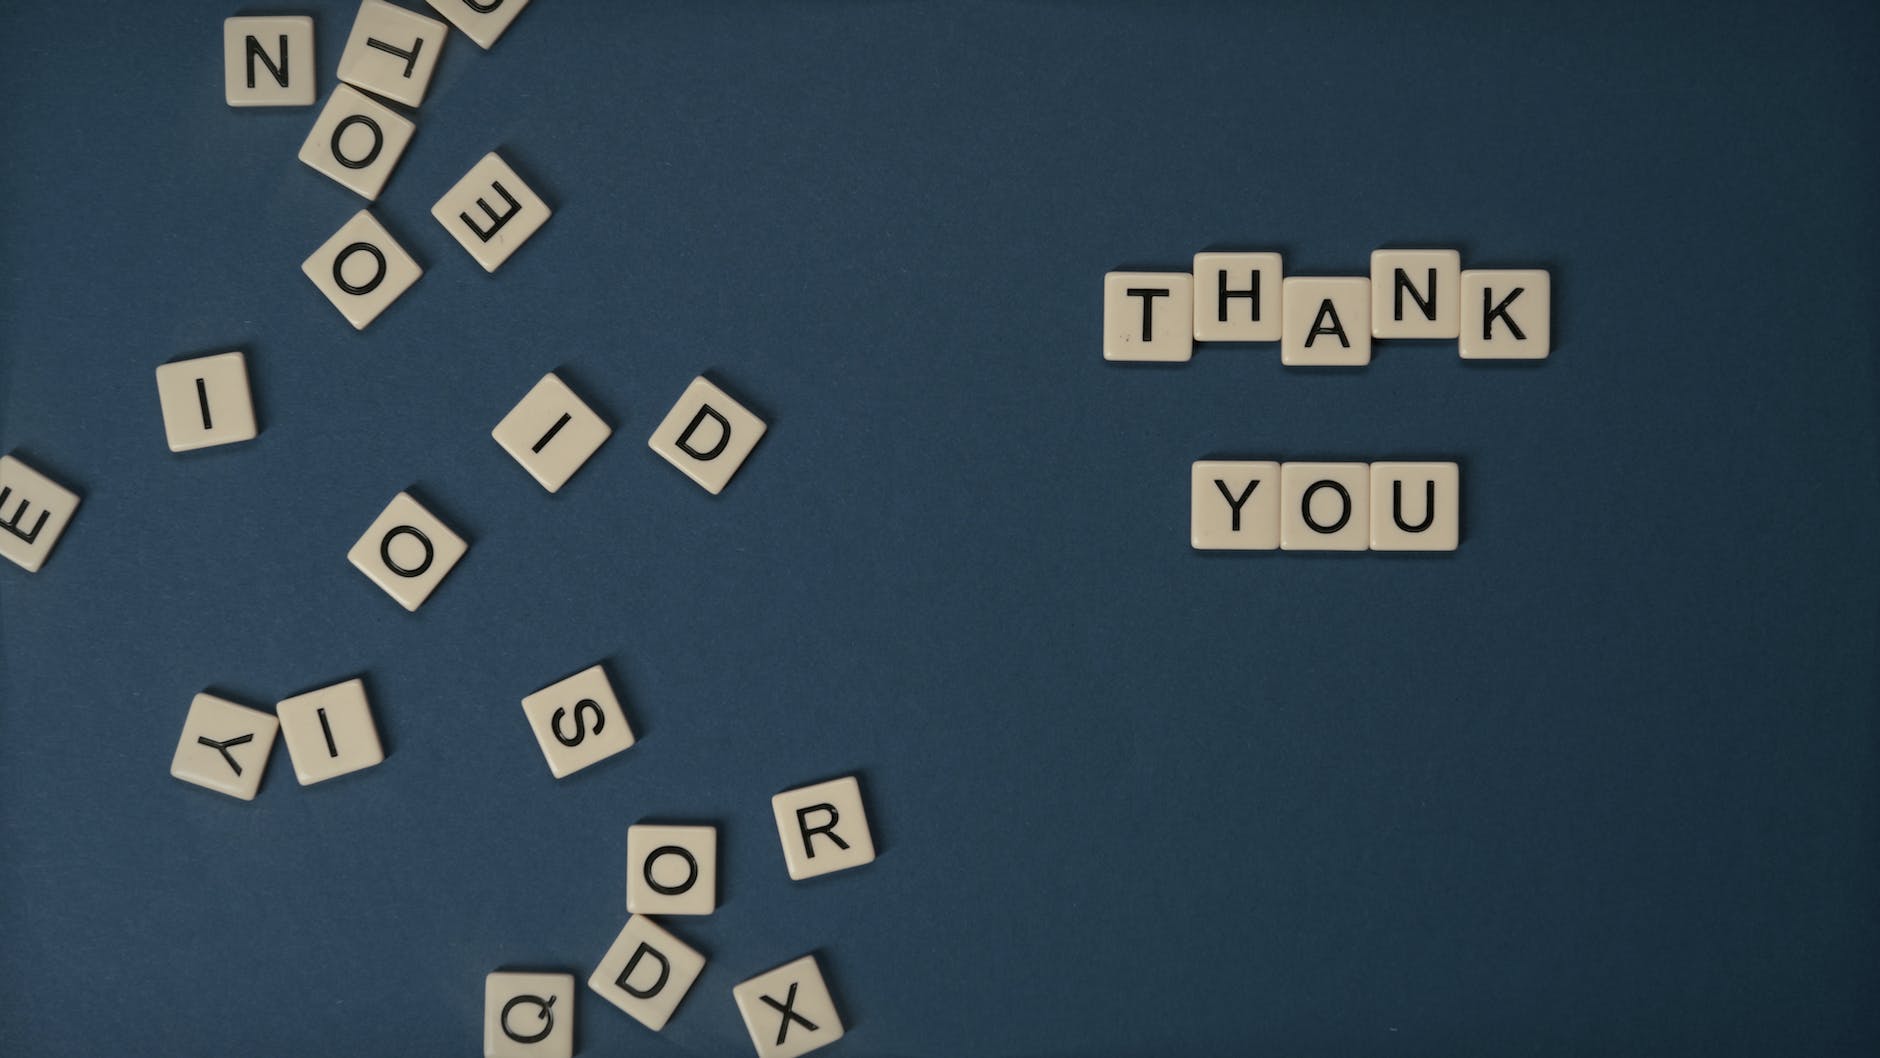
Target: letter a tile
(578,721)
(707,435)
(34,511)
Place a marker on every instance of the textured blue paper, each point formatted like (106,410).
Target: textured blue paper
(1603,782)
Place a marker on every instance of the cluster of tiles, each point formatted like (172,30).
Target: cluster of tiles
(577,722)
(1260,506)
(1326,321)
(358,138)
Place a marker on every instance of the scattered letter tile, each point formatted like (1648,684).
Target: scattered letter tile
(707,435)
(551,432)
(481,20)
(788,1011)
(329,732)
(823,828)
(1327,321)
(1237,297)
(206,401)
(1325,506)
(407,551)
(34,512)
(672,870)
(646,972)
(1148,316)
(1235,506)
(357,141)
(268,62)
(1415,506)
(491,212)
(1505,314)
(392,52)
(528,1015)
(361,269)
(578,721)
(224,746)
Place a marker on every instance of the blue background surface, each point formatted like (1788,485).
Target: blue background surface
(1602,782)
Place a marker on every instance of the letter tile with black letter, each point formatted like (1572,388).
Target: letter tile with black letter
(1326,321)
(672,870)
(1505,314)
(34,511)
(1149,316)
(551,432)
(224,747)
(1234,506)
(361,269)
(646,972)
(481,20)
(392,52)
(407,551)
(788,1011)
(491,212)
(1237,297)
(1325,506)
(707,435)
(330,732)
(1415,506)
(823,828)
(1416,293)
(268,61)
(578,721)
(357,141)
(206,401)
(528,1015)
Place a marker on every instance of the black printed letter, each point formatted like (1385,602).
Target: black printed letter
(1429,506)
(1237,504)
(1489,314)
(1319,326)
(626,973)
(724,434)
(1148,297)
(255,51)
(828,829)
(378,141)
(581,710)
(496,222)
(1305,506)
(1402,283)
(1252,294)
(410,57)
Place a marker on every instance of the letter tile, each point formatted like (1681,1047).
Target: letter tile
(34,511)
(578,721)
(1415,506)
(329,732)
(1234,507)
(357,141)
(481,20)
(361,269)
(268,62)
(407,551)
(528,1015)
(1416,293)
(788,1011)
(672,870)
(823,828)
(491,212)
(1505,314)
(707,435)
(646,972)
(551,432)
(206,401)
(1237,297)
(224,746)
(1325,506)
(1327,321)
(1148,316)
(392,52)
